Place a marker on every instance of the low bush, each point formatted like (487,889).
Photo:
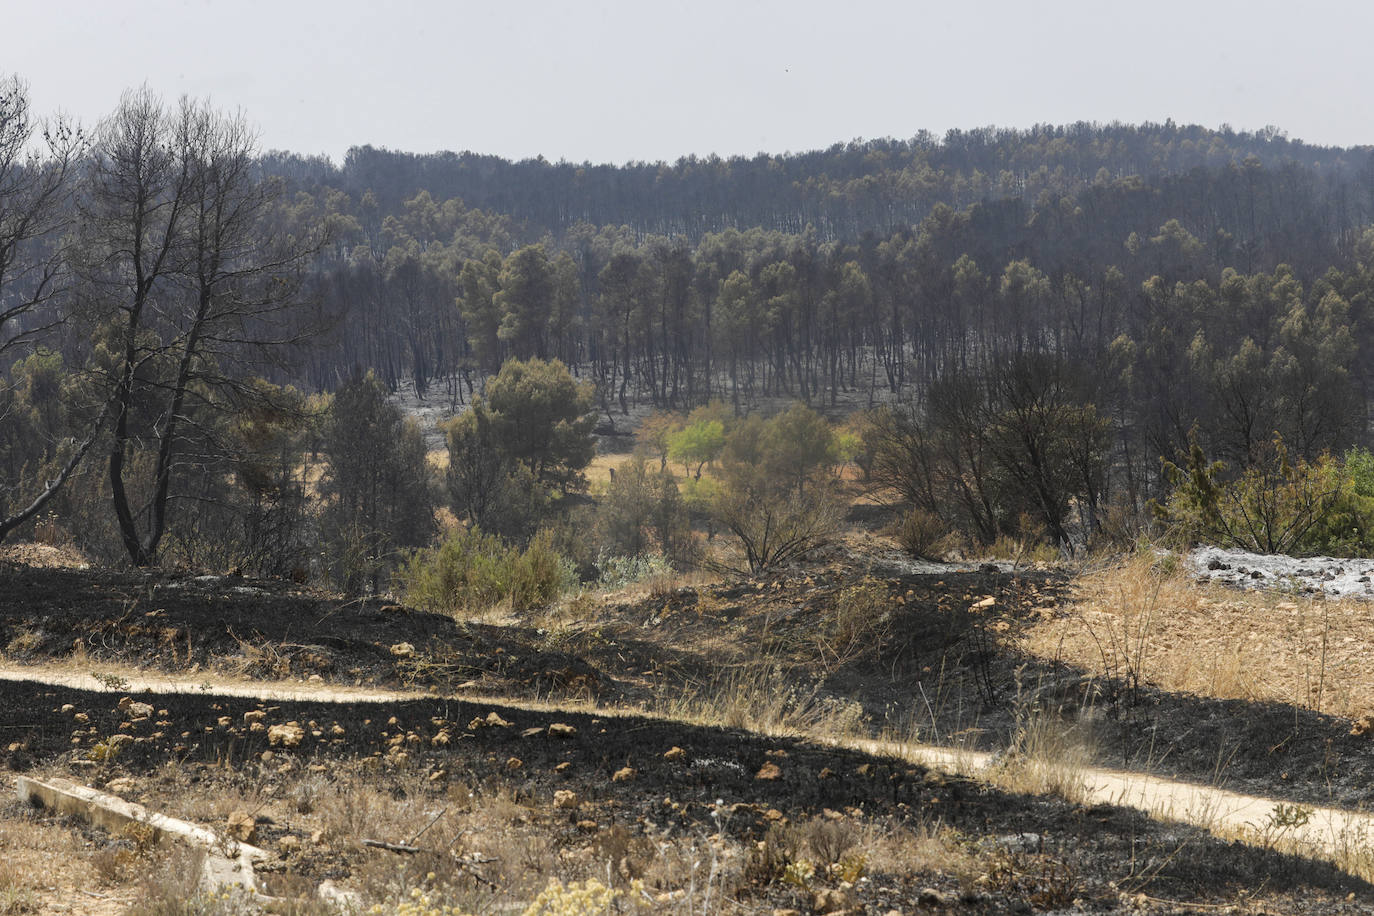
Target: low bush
(471,571)
(924,535)
(622,571)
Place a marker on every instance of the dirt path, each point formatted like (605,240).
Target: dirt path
(1256,819)
(117,681)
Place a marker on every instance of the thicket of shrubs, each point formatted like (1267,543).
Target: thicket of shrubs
(470,571)
(1279,504)
(767,482)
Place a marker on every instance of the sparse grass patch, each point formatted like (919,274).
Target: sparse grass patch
(25,641)
(763,697)
(1144,622)
(39,857)
(1021,550)
(1048,755)
(16,890)
(172,887)
(1284,829)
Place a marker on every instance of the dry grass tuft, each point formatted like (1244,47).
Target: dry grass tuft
(1048,755)
(16,890)
(859,622)
(763,697)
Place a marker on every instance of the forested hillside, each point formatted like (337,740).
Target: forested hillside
(175,307)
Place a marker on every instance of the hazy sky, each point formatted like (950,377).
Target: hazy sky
(653,79)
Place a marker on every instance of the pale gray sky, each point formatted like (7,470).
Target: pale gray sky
(615,81)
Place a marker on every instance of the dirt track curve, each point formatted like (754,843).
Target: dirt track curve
(1216,810)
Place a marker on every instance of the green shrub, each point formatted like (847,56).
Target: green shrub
(1276,505)
(641,511)
(471,571)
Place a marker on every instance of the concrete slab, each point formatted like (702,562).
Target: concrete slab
(227,861)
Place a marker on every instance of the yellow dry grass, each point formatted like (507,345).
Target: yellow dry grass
(1140,620)
(47,868)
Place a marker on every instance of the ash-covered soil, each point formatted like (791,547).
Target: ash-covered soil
(938,657)
(937,651)
(1043,853)
(1330,576)
(265,629)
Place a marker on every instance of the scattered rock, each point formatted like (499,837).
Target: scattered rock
(563,768)
(562,730)
(514,763)
(82,718)
(135,709)
(289,843)
(565,800)
(533,732)
(122,786)
(1362,726)
(624,774)
(254,715)
(1021,842)
(772,772)
(983,604)
(67,709)
(929,896)
(830,900)
(587,826)
(403,650)
(493,720)
(288,735)
(242,826)
(674,753)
